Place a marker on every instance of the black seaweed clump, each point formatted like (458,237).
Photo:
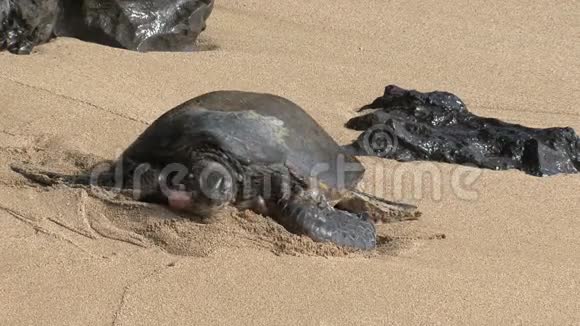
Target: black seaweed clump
(407,125)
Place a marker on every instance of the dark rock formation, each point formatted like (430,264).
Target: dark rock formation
(139,25)
(26,23)
(407,125)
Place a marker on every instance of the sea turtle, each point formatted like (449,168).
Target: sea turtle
(253,151)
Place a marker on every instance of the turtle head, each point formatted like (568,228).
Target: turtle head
(207,187)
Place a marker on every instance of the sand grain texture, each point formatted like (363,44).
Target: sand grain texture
(511,251)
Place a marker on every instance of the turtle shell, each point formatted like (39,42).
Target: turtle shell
(255,128)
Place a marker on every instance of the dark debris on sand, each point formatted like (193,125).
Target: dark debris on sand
(407,125)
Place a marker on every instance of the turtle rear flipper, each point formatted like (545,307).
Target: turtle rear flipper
(102,175)
(380,210)
(49,178)
(304,216)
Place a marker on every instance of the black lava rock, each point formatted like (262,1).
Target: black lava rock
(26,23)
(139,25)
(407,125)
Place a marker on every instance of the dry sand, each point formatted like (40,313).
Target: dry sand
(512,249)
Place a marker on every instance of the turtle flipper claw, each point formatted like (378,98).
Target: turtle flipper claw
(377,209)
(327,224)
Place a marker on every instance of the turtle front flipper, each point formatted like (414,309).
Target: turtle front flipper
(325,223)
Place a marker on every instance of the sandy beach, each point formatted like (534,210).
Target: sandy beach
(510,254)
